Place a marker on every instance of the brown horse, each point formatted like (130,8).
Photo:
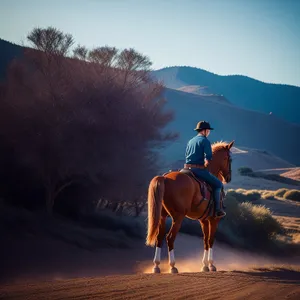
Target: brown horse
(179,195)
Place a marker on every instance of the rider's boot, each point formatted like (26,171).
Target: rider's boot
(220,213)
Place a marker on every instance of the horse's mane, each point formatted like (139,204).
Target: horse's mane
(217,146)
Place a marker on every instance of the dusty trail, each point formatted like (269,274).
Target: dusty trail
(266,284)
(129,278)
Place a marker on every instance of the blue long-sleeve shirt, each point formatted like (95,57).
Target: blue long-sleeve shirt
(198,148)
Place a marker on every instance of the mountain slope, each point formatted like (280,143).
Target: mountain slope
(248,128)
(281,100)
(253,158)
(8,52)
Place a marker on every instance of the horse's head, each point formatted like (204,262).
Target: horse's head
(222,161)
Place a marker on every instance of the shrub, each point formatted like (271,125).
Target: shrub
(252,195)
(92,232)
(248,225)
(268,195)
(105,219)
(245,171)
(241,195)
(245,226)
(292,195)
(280,192)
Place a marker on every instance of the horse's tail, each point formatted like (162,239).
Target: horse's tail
(155,196)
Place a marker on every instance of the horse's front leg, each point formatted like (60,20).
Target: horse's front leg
(213,225)
(205,230)
(176,224)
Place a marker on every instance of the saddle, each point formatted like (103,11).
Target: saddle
(205,189)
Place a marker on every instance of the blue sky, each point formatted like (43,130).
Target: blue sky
(257,38)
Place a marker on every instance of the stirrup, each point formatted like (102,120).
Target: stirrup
(220,214)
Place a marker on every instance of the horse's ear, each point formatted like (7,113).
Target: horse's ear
(230,145)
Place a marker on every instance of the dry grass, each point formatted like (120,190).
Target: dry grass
(292,195)
(242,195)
(280,192)
(270,195)
(290,224)
(296,238)
(246,225)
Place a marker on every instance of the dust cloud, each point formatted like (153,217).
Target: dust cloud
(189,251)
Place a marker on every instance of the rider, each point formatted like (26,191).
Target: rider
(199,149)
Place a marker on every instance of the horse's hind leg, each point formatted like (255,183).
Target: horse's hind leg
(159,241)
(176,224)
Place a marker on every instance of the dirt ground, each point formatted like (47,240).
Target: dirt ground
(69,272)
(126,274)
(263,284)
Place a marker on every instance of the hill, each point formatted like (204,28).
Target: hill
(257,160)
(247,127)
(260,161)
(282,100)
(8,52)
(198,90)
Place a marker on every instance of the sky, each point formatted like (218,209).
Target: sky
(256,38)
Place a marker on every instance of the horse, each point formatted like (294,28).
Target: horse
(178,194)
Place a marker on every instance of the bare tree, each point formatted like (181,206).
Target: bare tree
(80,52)
(67,123)
(135,67)
(105,56)
(51,40)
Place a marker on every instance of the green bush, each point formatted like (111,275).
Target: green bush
(292,195)
(245,171)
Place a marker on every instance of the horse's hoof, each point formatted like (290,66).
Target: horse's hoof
(205,269)
(156,270)
(174,270)
(212,268)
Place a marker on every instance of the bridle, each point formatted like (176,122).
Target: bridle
(228,175)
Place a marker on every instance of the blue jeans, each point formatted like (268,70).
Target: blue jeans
(212,180)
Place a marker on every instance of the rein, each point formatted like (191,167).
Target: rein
(220,172)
